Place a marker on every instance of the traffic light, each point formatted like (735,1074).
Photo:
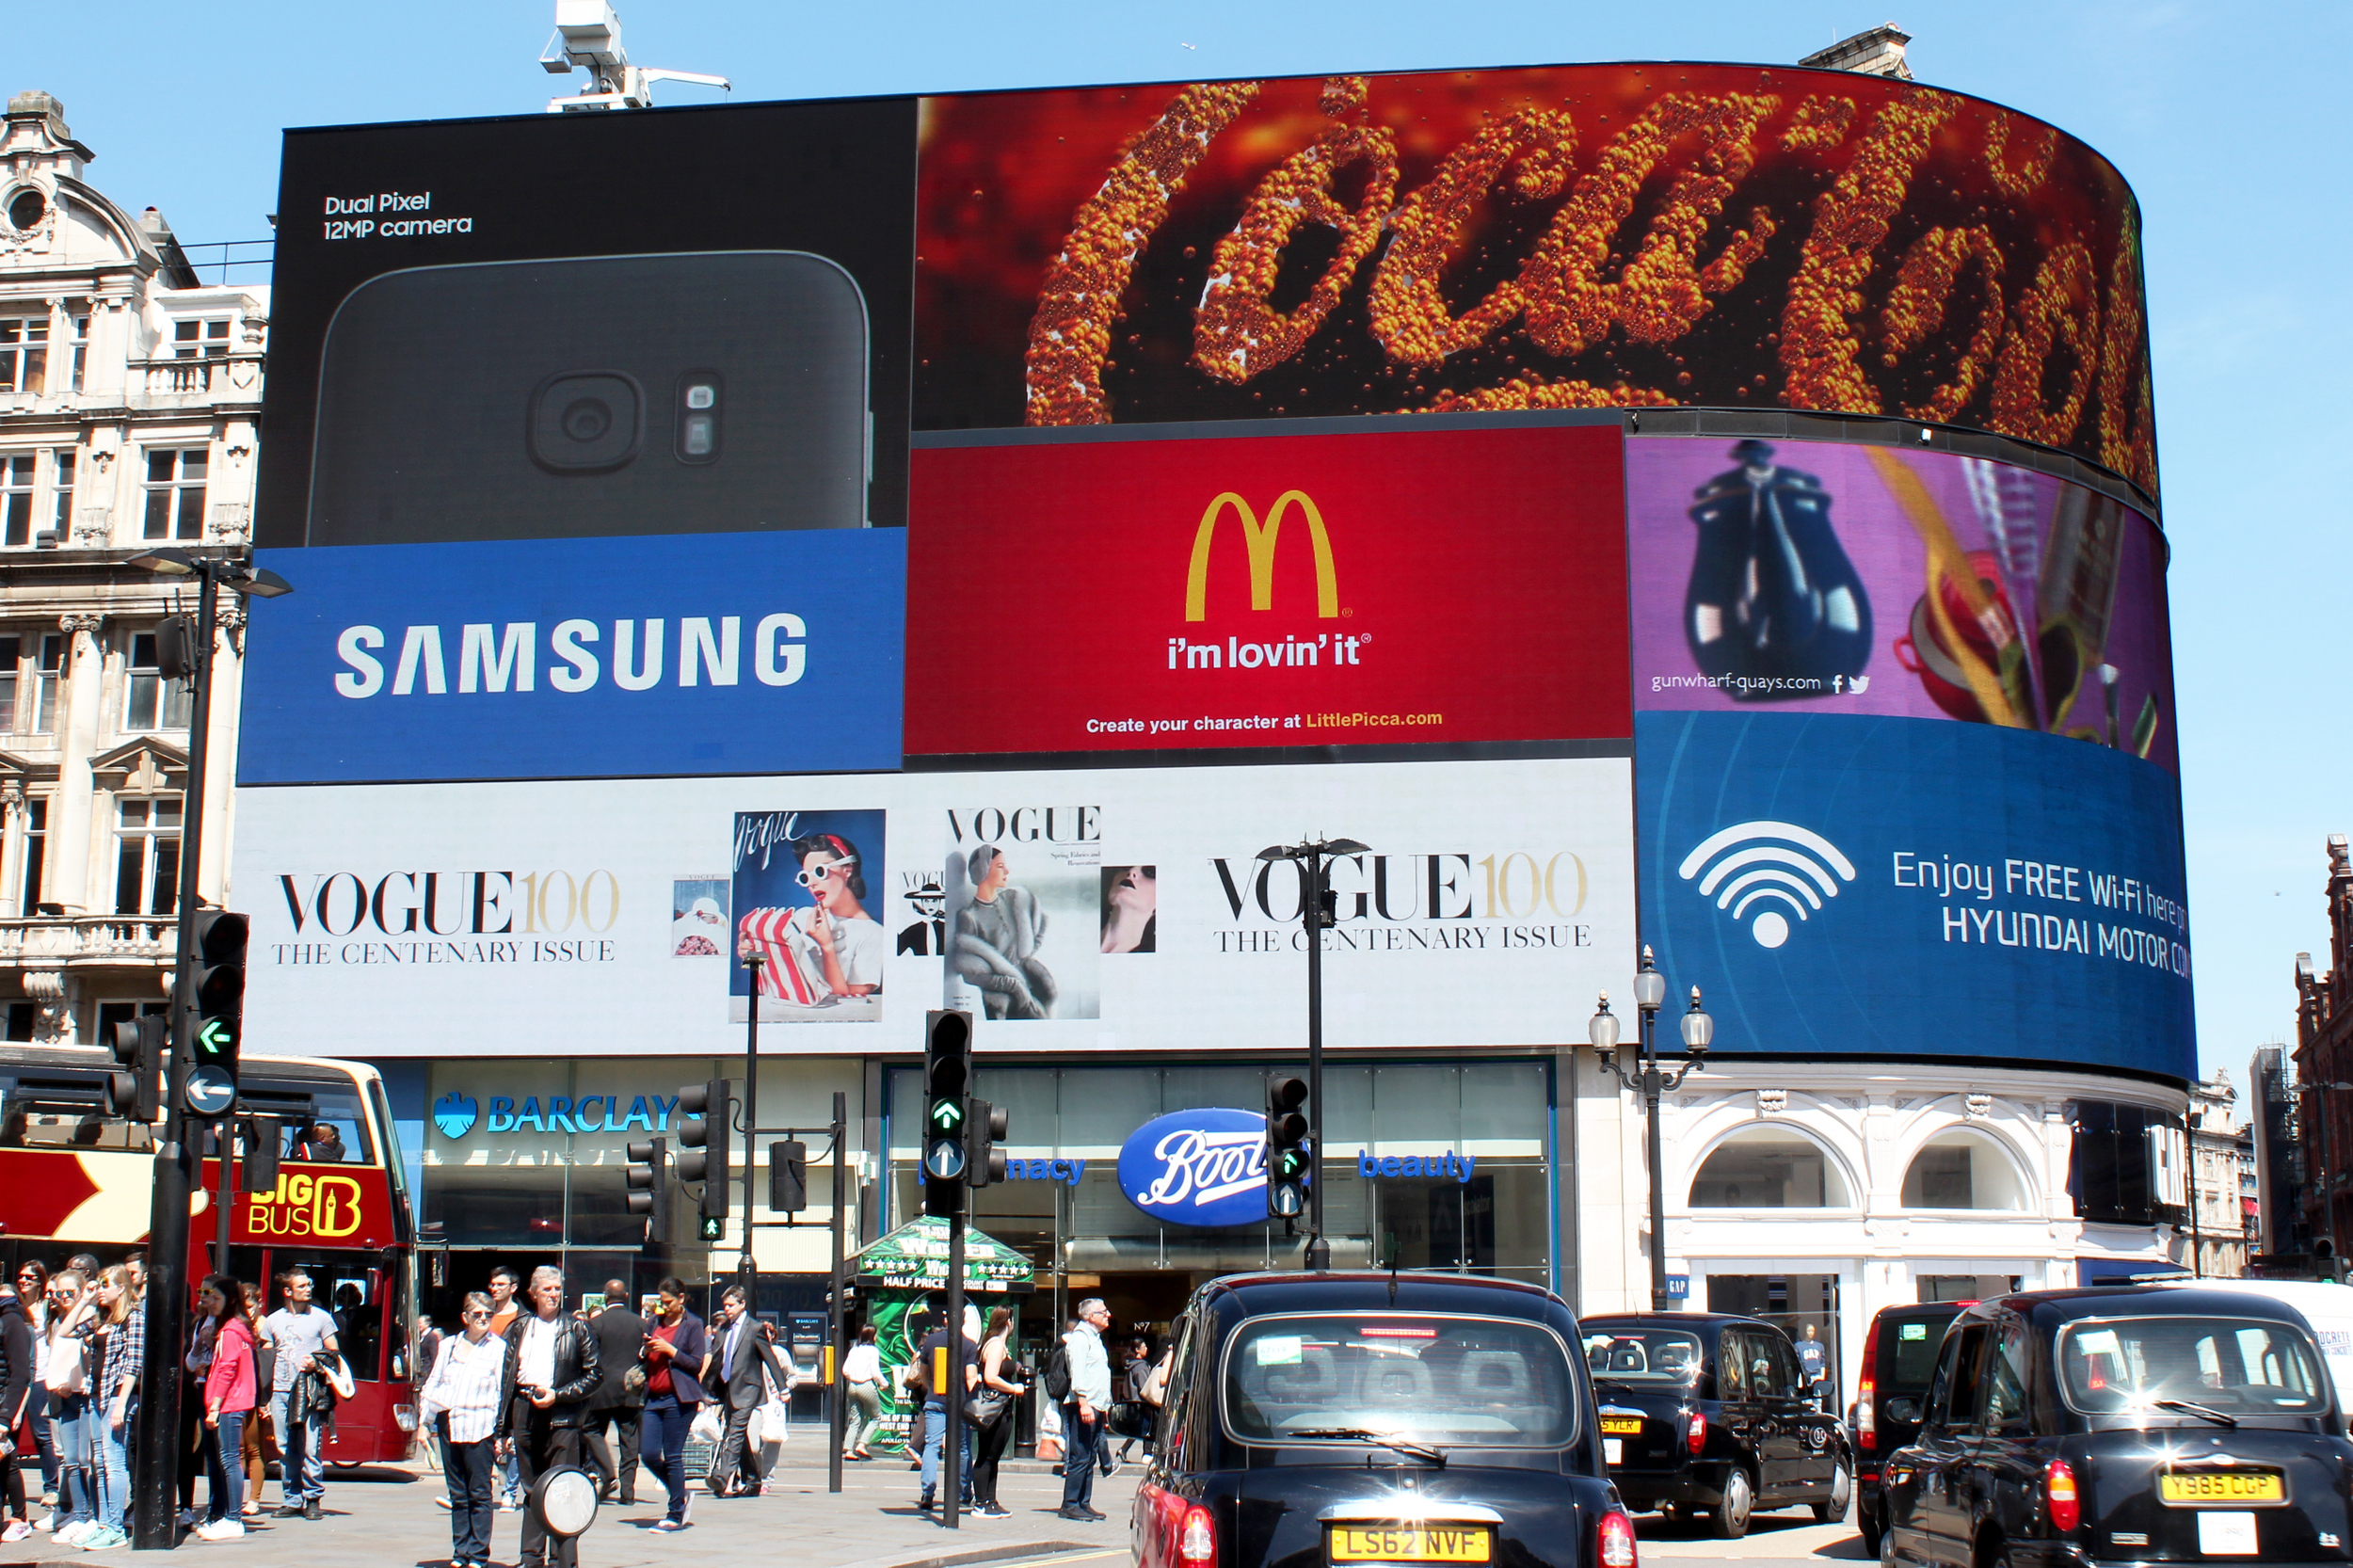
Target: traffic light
(706,1109)
(947,1070)
(648,1178)
(263,1136)
(788,1176)
(220,991)
(983,1125)
(2325,1259)
(1287,1152)
(175,647)
(139,1046)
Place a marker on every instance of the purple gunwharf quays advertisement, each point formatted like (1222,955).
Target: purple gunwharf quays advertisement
(1813,577)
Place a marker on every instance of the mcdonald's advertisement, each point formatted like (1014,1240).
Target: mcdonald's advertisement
(1813,577)
(1447,584)
(1078,911)
(1859,884)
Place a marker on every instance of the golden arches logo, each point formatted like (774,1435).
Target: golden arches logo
(1259,543)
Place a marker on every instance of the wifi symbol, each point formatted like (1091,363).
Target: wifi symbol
(1766,862)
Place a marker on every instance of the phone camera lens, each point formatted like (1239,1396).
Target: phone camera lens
(586,422)
(586,419)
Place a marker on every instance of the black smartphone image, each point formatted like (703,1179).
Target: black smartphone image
(708,392)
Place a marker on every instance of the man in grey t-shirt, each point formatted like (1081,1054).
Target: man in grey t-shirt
(299,1329)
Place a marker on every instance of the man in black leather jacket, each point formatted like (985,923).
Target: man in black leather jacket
(552,1369)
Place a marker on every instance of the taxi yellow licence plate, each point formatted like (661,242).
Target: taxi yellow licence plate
(1622,1426)
(2196,1487)
(1412,1543)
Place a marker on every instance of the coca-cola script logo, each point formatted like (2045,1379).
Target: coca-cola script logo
(1204,1167)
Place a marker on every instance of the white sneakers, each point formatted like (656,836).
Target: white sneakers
(221,1529)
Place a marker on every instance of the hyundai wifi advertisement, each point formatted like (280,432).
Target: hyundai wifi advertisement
(1452,585)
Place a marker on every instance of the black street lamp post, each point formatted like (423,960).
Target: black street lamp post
(158,1456)
(1651,1081)
(1316,917)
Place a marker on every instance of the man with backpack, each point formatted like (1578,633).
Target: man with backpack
(1079,1377)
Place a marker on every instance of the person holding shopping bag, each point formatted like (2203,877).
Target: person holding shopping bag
(992,1412)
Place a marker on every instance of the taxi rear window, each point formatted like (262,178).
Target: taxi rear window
(1908,1353)
(1489,1382)
(2238,1367)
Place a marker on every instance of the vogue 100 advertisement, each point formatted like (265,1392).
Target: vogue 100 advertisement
(1096,910)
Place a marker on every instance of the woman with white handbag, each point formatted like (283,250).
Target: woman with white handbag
(73,1321)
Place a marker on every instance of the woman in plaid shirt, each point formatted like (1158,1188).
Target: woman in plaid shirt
(123,1331)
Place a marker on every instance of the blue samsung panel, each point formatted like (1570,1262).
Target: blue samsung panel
(701,654)
(1894,887)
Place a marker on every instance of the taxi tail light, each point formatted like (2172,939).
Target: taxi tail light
(1695,1435)
(1867,1415)
(1196,1536)
(1617,1541)
(2058,1491)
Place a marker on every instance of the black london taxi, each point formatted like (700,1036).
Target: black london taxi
(1703,1411)
(1898,1353)
(2067,1428)
(1358,1420)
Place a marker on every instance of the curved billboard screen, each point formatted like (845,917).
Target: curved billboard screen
(1567,236)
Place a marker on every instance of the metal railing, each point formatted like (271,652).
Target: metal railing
(248,258)
(61,938)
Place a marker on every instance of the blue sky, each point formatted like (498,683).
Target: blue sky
(2221,118)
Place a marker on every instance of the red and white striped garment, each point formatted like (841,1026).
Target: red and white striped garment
(790,968)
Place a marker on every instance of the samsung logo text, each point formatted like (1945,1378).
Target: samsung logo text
(495,659)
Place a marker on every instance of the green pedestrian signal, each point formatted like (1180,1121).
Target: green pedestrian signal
(713,1227)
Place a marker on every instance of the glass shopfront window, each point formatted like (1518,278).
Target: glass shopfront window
(1447,1164)
(525,1162)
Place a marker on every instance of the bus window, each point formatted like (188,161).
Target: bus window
(345,1284)
(323,1121)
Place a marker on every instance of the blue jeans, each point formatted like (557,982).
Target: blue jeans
(937,1420)
(662,1443)
(69,1428)
(1081,1441)
(303,1468)
(114,1461)
(224,1465)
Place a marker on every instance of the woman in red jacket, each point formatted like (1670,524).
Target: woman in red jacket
(228,1404)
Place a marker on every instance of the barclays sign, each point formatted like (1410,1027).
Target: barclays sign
(1204,1168)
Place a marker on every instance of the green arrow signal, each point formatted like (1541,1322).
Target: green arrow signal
(946,1113)
(214,1036)
(713,1228)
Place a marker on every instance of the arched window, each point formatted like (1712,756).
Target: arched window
(1770,1167)
(1962,1169)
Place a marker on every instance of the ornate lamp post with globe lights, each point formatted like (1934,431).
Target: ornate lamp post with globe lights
(1651,1081)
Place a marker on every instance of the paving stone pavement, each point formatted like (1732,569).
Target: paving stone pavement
(384,1517)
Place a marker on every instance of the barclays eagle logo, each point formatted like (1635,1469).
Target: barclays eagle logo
(454,1114)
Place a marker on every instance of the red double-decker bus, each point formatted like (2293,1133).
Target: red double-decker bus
(74,1179)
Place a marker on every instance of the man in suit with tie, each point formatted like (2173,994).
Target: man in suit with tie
(741,1358)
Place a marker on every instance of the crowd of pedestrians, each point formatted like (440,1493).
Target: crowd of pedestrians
(523,1387)
(986,1380)
(72,1359)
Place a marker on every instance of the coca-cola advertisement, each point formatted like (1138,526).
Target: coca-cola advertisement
(1566,237)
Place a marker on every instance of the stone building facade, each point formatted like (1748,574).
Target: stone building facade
(130,395)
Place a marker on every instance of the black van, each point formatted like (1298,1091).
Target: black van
(1898,1354)
(1706,1411)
